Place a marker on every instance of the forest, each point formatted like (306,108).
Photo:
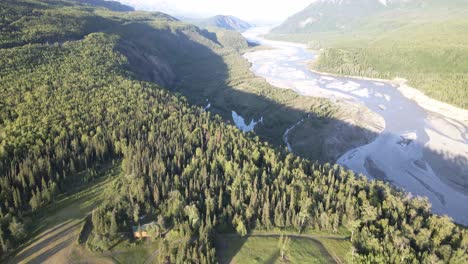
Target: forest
(71,101)
(438,71)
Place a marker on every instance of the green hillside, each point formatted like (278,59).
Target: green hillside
(81,104)
(326,15)
(346,15)
(426,44)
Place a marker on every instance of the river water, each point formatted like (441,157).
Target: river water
(419,150)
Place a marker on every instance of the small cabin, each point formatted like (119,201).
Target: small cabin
(140,231)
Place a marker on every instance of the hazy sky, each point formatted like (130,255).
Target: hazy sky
(252,10)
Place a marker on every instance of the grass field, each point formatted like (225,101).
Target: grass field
(337,244)
(55,228)
(339,248)
(264,249)
(134,253)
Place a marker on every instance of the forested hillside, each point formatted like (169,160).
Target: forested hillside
(423,41)
(325,15)
(73,98)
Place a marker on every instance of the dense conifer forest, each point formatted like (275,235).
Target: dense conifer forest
(70,102)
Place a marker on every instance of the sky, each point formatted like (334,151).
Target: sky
(274,11)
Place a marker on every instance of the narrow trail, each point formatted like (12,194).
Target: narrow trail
(150,258)
(156,252)
(286,135)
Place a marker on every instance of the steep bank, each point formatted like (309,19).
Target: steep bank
(352,126)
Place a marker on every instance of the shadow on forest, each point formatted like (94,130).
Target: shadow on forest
(111,5)
(201,75)
(175,58)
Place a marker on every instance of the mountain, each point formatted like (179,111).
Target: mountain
(111,5)
(327,15)
(225,22)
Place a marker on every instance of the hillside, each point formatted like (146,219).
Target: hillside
(224,22)
(343,15)
(421,41)
(325,15)
(91,98)
(108,4)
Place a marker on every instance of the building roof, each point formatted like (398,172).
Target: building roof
(143,227)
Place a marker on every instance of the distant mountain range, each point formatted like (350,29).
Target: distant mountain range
(225,22)
(329,15)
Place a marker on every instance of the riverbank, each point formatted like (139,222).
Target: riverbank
(422,147)
(414,94)
(453,124)
(352,126)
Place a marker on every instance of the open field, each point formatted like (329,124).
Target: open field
(337,248)
(263,248)
(56,227)
(142,252)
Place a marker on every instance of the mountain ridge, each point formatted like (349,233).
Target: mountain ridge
(109,4)
(330,15)
(225,22)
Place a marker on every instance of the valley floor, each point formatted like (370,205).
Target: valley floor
(422,144)
(445,120)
